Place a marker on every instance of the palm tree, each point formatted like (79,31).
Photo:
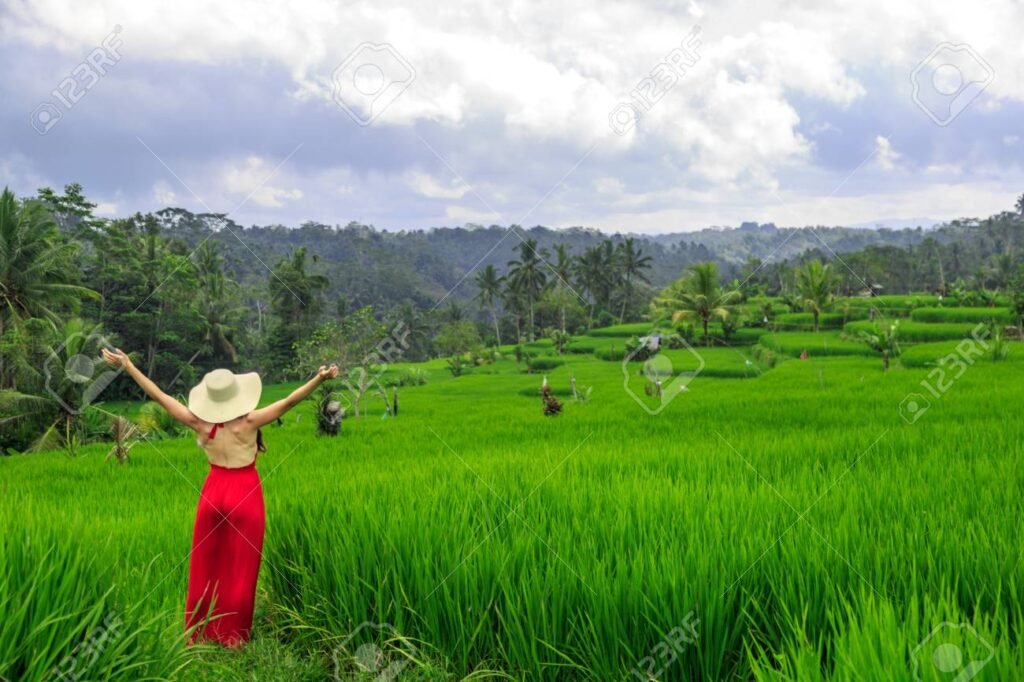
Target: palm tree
(562,269)
(514,301)
(591,274)
(1020,205)
(698,295)
(632,262)
(815,284)
(295,294)
(73,378)
(489,283)
(526,274)
(216,305)
(35,266)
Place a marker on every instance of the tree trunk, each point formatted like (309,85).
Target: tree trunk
(497,329)
(707,339)
(531,320)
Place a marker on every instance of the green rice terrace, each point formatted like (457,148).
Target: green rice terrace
(768,503)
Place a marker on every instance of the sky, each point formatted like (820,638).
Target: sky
(649,117)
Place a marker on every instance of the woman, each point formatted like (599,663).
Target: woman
(227,544)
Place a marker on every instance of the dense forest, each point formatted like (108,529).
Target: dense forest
(187,292)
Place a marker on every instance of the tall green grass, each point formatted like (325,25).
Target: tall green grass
(815,344)
(813,531)
(1002,315)
(920,332)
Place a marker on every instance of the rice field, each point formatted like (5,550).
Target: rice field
(794,522)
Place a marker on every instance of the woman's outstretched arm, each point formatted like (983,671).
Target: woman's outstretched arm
(265,415)
(118,358)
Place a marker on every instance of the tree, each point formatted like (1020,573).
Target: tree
(698,295)
(883,339)
(70,380)
(527,277)
(216,304)
(593,276)
(361,346)
(296,300)
(632,263)
(71,210)
(37,270)
(816,285)
(1020,205)
(456,338)
(488,283)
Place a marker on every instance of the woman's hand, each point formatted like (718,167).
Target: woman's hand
(325,372)
(117,358)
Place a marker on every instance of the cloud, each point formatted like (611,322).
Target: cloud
(784,99)
(885,156)
(254,179)
(425,185)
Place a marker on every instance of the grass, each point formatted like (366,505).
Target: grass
(1002,315)
(930,354)
(805,321)
(922,332)
(815,344)
(812,530)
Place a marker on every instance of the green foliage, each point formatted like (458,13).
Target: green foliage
(543,364)
(884,339)
(1004,315)
(815,343)
(699,297)
(457,338)
(919,332)
(559,340)
(456,365)
(157,423)
(413,376)
(815,288)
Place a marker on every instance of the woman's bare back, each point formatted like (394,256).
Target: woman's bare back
(233,444)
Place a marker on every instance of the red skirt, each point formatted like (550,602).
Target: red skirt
(227,548)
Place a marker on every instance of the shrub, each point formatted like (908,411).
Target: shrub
(414,376)
(456,365)
(543,364)
(156,422)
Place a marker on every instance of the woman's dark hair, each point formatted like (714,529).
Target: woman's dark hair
(260,447)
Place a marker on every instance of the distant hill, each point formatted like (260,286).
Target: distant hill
(370,266)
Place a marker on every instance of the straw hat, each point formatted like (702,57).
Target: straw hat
(223,395)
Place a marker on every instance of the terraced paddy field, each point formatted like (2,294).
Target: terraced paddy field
(801,520)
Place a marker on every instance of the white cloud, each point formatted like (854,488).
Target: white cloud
(885,156)
(255,178)
(504,80)
(425,185)
(463,214)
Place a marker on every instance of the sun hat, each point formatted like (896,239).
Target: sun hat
(223,395)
